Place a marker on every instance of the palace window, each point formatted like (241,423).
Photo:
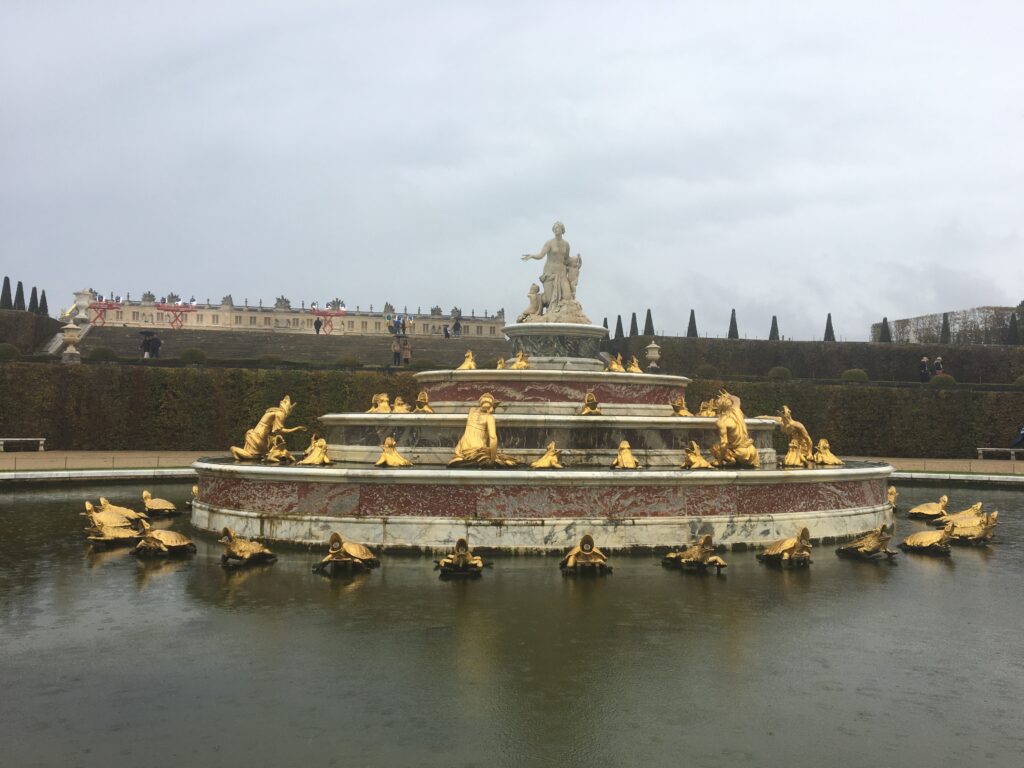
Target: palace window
(479,330)
(363,324)
(135,315)
(492,330)
(252,320)
(376,326)
(351,325)
(199,318)
(266,321)
(215,319)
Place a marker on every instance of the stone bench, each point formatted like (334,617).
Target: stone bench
(982,451)
(18,441)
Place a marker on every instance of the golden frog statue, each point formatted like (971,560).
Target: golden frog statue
(801,448)
(870,546)
(550,459)
(423,403)
(734,446)
(697,557)
(157,542)
(929,511)
(501,364)
(585,559)
(615,365)
(929,542)
(344,557)
(258,439)
(468,362)
(380,403)
(521,363)
(679,407)
(479,443)
(590,405)
(892,495)
(278,451)
(400,406)
(707,409)
(823,455)
(239,551)
(794,551)
(695,459)
(157,506)
(625,459)
(389,456)
(976,532)
(633,366)
(316,453)
(460,563)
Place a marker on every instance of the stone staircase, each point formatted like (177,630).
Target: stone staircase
(296,347)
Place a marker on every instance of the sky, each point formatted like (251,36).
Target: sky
(780,158)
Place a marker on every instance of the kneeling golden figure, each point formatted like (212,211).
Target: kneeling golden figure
(585,559)
(823,455)
(929,542)
(345,557)
(550,459)
(239,551)
(625,459)
(870,546)
(794,552)
(697,557)
(258,439)
(479,443)
(929,511)
(461,563)
(390,457)
(695,459)
(734,445)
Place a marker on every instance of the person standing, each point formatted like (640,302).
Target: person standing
(1019,442)
(447,333)
(154,346)
(406,351)
(396,352)
(317,325)
(923,370)
(937,368)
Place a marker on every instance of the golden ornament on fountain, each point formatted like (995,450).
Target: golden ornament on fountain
(929,511)
(633,366)
(963,517)
(157,506)
(870,546)
(316,452)
(468,362)
(679,407)
(278,451)
(892,495)
(590,405)
(929,542)
(257,439)
(615,365)
(707,409)
(734,446)
(501,364)
(380,403)
(521,363)
(479,443)
(423,403)
(400,406)
(823,455)
(461,563)
(585,559)
(390,457)
(98,516)
(625,459)
(195,495)
(971,526)
(131,514)
(344,557)
(157,542)
(239,551)
(794,551)
(801,448)
(695,459)
(550,459)
(697,557)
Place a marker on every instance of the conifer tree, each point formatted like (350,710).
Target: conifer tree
(734,332)
(633,329)
(944,334)
(19,297)
(605,323)
(43,309)
(830,335)
(773,334)
(33,302)
(691,329)
(884,334)
(618,328)
(648,325)
(1012,333)
(5,295)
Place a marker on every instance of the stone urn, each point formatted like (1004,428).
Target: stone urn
(72,335)
(653,356)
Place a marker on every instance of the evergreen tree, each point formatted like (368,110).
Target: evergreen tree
(43,309)
(648,325)
(633,330)
(19,297)
(944,334)
(1012,333)
(734,332)
(5,295)
(773,334)
(33,302)
(618,328)
(885,335)
(691,329)
(830,335)
(605,323)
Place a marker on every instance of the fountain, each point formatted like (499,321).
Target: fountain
(561,403)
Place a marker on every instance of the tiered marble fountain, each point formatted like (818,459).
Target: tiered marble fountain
(430,505)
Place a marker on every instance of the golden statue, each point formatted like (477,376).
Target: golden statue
(195,495)
(460,563)
(634,365)
(590,405)
(625,459)
(161,542)
(479,443)
(929,542)
(794,551)
(278,451)
(679,407)
(521,363)
(390,457)
(892,494)
(550,459)
(929,511)
(801,448)
(615,364)
(501,364)
(400,406)
(257,439)
(963,517)
(104,536)
(468,364)
(823,455)
(585,558)
(157,506)
(105,518)
(316,453)
(130,514)
(423,403)
(240,551)
(870,546)
(977,531)
(695,459)
(698,557)
(707,409)
(345,556)
(380,404)
(734,445)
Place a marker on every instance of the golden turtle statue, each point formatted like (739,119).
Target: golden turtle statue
(240,551)
(109,529)
(697,557)
(977,532)
(344,557)
(158,542)
(929,542)
(870,546)
(963,517)
(461,563)
(794,552)
(930,510)
(585,559)
(131,514)
(105,517)
(155,506)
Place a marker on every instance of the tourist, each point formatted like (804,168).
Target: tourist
(154,346)
(406,351)
(923,370)
(396,352)
(317,325)
(937,366)
(1019,442)
(457,328)
(447,333)
(403,325)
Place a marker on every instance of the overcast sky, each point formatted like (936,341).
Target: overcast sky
(863,159)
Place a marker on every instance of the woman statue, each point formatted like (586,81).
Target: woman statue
(555,277)
(479,443)
(257,439)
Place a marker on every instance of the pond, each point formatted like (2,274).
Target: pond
(111,661)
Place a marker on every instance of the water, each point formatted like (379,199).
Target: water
(109,661)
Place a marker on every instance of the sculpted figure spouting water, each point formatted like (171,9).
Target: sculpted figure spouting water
(258,439)
(734,444)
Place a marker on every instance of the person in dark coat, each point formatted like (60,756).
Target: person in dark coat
(937,368)
(1019,442)
(317,325)
(923,371)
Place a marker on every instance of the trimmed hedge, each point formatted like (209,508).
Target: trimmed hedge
(8,351)
(780,373)
(854,374)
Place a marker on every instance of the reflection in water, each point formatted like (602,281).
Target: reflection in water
(915,657)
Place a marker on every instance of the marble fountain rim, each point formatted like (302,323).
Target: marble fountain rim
(548,329)
(526,419)
(542,374)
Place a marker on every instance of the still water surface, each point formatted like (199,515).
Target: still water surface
(107,661)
